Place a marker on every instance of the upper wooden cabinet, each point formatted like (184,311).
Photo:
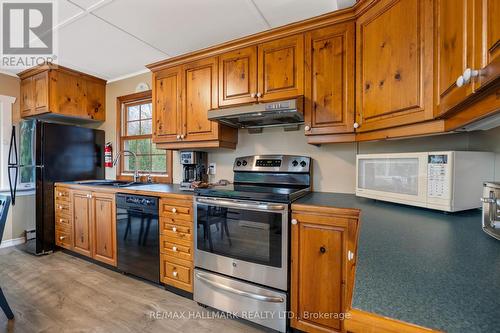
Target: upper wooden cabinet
(281,68)
(58,91)
(467,49)
(182,97)
(238,76)
(394,64)
(329,81)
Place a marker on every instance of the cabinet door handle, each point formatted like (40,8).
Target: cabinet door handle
(174,210)
(307,128)
(355,125)
(469,74)
(259,95)
(294,221)
(182,136)
(460,81)
(62,238)
(350,255)
(253,95)
(178,136)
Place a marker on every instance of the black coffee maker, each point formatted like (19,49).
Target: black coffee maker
(194,168)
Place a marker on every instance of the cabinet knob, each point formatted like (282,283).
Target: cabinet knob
(174,273)
(307,128)
(294,221)
(174,210)
(182,136)
(259,95)
(174,229)
(469,74)
(356,125)
(60,207)
(178,136)
(174,248)
(460,81)
(350,255)
(60,194)
(61,220)
(62,237)
(253,95)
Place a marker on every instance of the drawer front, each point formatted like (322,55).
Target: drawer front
(176,209)
(63,221)
(63,237)
(171,229)
(172,247)
(174,274)
(62,194)
(63,208)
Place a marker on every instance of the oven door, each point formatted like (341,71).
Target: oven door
(243,239)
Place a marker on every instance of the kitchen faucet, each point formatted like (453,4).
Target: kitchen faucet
(130,153)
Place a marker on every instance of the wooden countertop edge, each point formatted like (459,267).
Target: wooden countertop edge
(360,321)
(321,210)
(105,189)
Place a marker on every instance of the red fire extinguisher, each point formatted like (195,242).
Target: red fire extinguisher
(108,155)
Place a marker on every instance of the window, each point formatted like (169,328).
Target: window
(135,119)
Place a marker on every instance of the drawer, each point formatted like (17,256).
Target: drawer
(62,194)
(171,271)
(175,230)
(172,247)
(63,208)
(176,209)
(63,237)
(63,221)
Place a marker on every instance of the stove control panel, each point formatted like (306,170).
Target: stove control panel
(273,163)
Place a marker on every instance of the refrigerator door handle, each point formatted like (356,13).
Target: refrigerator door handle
(13,164)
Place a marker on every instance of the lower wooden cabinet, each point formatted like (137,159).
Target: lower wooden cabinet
(176,242)
(86,223)
(323,259)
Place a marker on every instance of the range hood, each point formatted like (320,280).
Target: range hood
(287,113)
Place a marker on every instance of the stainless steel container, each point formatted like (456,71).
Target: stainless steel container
(491,209)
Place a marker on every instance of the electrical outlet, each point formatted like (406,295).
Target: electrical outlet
(212,168)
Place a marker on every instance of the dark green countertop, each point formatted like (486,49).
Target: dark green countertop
(423,266)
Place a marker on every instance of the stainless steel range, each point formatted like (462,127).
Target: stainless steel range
(242,237)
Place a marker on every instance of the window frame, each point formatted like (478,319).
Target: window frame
(121,103)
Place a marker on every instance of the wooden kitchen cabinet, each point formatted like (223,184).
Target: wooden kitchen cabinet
(82,222)
(87,222)
(329,82)
(324,242)
(394,64)
(467,49)
(281,68)
(51,91)
(183,95)
(238,76)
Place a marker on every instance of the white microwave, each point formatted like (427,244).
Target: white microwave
(450,181)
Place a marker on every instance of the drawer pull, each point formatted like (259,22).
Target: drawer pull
(174,210)
(60,194)
(174,229)
(62,238)
(174,248)
(61,220)
(174,273)
(60,207)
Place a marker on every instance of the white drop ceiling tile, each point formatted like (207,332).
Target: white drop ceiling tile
(66,10)
(87,3)
(177,27)
(98,48)
(281,12)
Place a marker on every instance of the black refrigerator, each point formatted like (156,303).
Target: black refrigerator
(49,153)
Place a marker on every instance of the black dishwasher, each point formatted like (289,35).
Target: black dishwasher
(138,236)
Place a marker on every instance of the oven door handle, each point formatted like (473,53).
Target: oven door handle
(258,297)
(234,204)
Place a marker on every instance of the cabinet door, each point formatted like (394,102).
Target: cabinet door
(317,255)
(27,97)
(453,51)
(329,82)
(238,76)
(95,93)
(394,64)
(167,113)
(281,68)
(82,222)
(67,94)
(104,228)
(487,40)
(200,95)
(41,92)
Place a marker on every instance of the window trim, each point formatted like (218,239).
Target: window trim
(131,99)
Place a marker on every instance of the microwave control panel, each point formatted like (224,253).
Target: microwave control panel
(438,174)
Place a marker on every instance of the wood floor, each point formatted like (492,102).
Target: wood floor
(61,293)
